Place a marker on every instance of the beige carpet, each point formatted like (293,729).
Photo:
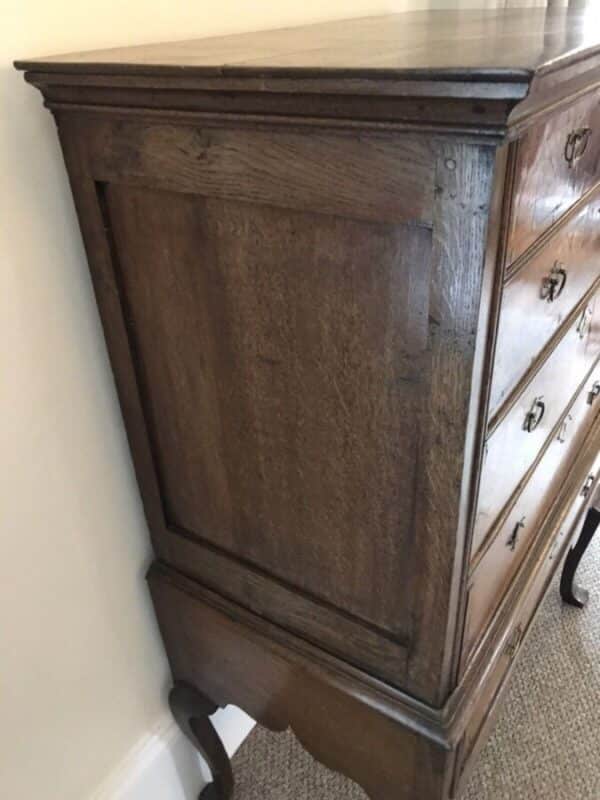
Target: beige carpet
(546,745)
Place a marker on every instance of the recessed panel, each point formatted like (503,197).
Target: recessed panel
(278,355)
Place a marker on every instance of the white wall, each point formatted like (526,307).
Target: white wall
(82,672)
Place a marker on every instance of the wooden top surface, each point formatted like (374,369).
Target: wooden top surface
(506,44)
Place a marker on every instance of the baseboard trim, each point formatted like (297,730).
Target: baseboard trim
(163,765)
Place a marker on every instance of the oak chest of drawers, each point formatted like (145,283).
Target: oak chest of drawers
(349,282)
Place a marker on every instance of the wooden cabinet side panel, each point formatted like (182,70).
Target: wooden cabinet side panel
(353,636)
(403,584)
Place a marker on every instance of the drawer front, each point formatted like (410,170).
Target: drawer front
(513,446)
(557,162)
(499,563)
(538,298)
(484,714)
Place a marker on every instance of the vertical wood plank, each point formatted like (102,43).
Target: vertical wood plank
(464,179)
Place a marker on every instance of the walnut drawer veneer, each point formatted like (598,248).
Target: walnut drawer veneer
(349,282)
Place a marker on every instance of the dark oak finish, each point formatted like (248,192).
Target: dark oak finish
(540,294)
(514,444)
(280,169)
(233,354)
(475,65)
(348,277)
(557,162)
(357,380)
(515,615)
(495,45)
(281,687)
(516,529)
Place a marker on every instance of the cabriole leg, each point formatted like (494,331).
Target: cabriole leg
(571,593)
(192,710)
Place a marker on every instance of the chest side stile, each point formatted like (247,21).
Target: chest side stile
(469,181)
(489,312)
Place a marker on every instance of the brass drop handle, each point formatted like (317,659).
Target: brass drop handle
(562,434)
(514,642)
(593,393)
(535,415)
(514,537)
(576,145)
(587,486)
(555,547)
(554,283)
(583,326)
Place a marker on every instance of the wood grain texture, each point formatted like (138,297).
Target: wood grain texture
(499,562)
(277,168)
(281,401)
(309,253)
(497,43)
(464,177)
(489,71)
(528,313)
(278,684)
(281,691)
(100,257)
(286,103)
(560,516)
(331,628)
(548,182)
(491,295)
(511,449)
(439,364)
(517,613)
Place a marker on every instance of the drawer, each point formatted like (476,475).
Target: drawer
(483,715)
(540,295)
(557,161)
(498,565)
(485,711)
(514,444)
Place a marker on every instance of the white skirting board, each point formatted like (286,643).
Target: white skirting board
(164,766)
